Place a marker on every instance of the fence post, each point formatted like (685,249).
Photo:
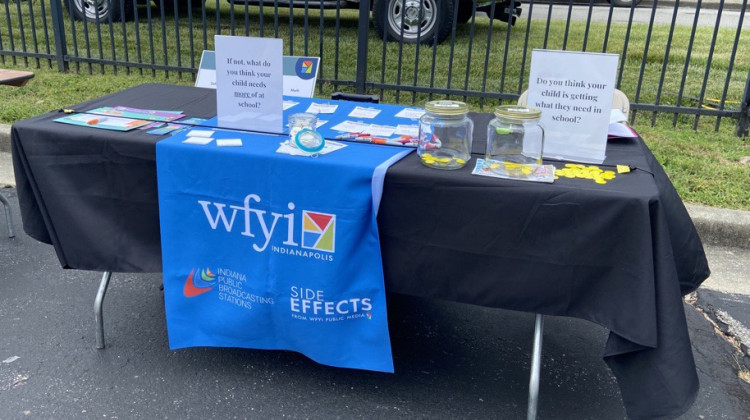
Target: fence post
(364,30)
(744,120)
(58,25)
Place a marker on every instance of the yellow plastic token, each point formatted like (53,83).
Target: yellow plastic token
(623,169)
(459,161)
(592,172)
(494,165)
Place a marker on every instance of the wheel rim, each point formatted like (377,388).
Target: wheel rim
(409,11)
(93,8)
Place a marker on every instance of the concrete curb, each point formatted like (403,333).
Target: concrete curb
(4,138)
(716,226)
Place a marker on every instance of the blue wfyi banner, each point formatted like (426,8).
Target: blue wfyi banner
(270,251)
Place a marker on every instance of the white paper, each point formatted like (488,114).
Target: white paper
(320,123)
(351,127)
(574,91)
(200,133)
(413,113)
(407,130)
(363,112)
(289,104)
(619,129)
(617,115)
(380,130)
(229,142)
(249,79)
(198,140)
(316,108)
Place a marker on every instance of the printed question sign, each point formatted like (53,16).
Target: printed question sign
(574,91)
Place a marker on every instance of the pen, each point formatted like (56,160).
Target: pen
(392,142)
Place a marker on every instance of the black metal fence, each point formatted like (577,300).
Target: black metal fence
(468,49)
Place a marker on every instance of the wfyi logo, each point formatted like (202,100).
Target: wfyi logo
(317,231)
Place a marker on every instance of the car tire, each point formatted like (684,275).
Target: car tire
(624,3)
(92,10)
(437,17)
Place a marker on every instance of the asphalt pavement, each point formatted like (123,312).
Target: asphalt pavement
(452,360)
(724,13)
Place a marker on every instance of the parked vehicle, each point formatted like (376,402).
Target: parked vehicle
(407,20)
(419,20)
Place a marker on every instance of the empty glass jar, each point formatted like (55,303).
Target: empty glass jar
(515,135)
(445,132)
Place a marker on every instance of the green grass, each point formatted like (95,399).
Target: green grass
(704,164)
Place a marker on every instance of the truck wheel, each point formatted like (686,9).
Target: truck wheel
(435,16)
(101,9)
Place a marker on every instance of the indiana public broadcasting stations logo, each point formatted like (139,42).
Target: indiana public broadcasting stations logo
(202,283)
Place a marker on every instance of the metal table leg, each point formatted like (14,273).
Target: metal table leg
(7,215)
(98,309)
(536,361)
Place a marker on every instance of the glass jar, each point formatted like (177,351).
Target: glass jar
(300,121)
(445,132)
(515,135)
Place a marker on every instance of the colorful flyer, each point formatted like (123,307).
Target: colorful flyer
(137,113)
(513,170)
(102,122)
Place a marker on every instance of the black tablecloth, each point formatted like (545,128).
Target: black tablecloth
(620,255)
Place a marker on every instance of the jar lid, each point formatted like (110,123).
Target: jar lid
(518,112)
(309,141)
(446,107)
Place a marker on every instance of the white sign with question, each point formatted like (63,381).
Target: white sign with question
(249,78)
(574,91)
